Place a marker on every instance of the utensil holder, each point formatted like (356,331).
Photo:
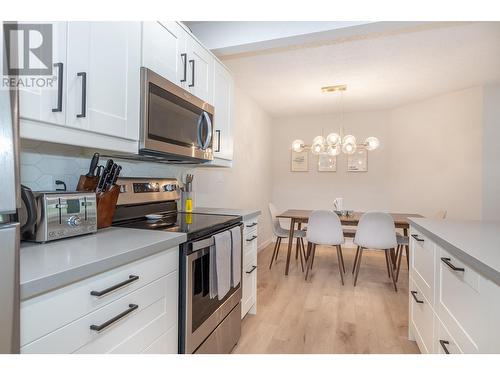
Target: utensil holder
(86,183)
(185,195)
(106,205)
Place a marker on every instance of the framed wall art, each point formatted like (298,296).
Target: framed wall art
(327,163)
(358,162)
(299,162)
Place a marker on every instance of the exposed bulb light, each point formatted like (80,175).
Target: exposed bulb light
(298,145)
(320,140)
(333,139)
(349,148)
(316,148)
(372,143)
(349,139)
(333,150)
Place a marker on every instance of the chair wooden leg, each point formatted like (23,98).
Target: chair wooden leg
(358,265)
(392,274)
(341,268)
(310,259)
(387,264)
(313,254)
(407,251)
(301,251)
(355,260)
(274,252)
(399,256)
(278,248)
(342,258)
(393,258)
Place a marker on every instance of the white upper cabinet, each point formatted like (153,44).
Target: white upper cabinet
(49,104)
(104,77)
(223,103)
(164,50)
(200,71)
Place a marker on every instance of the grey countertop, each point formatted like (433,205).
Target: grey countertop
(246,214)
(52,265)
(474,242)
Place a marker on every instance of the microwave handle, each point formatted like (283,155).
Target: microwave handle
(204,118)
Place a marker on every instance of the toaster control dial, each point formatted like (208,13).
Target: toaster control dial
(74,221)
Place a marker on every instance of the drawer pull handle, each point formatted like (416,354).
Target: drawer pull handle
(447,261)
(443,345)
(100,327)
(253,269)
(251,239)
(101,293)
(415,236)
(414,294)
(251,225)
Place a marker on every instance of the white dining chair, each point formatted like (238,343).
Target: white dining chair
(281,233)
(404,244)
(324,228)
(376,230)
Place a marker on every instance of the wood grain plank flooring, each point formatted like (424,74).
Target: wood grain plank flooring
(321,315)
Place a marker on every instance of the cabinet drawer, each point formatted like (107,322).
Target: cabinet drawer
(421,319)
(460,304)
(45,313)
(445,340)
(249,288)
(250,244)
(156,312)
(422,260)
(251,226)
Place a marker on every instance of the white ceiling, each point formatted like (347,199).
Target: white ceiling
(381,70)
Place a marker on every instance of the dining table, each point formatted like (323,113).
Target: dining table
(299,217)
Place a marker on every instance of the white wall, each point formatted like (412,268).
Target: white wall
(429,159)
(491,152)
(248,183)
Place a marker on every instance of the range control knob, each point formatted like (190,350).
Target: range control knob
(169,187)
(74,221)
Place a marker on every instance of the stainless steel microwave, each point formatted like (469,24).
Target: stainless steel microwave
(176,126)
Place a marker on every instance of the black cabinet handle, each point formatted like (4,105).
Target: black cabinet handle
(251,239)
(414,294)
(252,225)
(192,73)
(101,293)
(415,236)
(443,345)
(217,132)
(253,269)
(100,327)
(84,94)
(184,61)
(60,72)
(447,261)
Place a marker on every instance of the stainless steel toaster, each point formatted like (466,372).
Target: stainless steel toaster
(52,215)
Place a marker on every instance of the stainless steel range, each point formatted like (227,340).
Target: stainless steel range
(206,325)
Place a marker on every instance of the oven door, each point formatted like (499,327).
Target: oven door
(173,121)
(203,314)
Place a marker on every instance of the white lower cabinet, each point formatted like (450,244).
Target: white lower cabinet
(141,316)
(453,309)
(249,278)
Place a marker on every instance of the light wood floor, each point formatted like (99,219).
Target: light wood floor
(321,315)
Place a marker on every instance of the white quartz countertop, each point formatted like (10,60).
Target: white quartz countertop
(474,242)
(44,267)
(246,214)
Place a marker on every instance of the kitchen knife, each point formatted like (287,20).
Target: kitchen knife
(93,165)
(109,177)
(102,181)
(109,165)
(115,176)
(100,168)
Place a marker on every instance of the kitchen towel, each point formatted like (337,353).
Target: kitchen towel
(235,256)
(222,259)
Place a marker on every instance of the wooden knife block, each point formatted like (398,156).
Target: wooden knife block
(87,183)
(106,200)
(106,205)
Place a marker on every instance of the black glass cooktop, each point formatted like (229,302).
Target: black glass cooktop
(194,225)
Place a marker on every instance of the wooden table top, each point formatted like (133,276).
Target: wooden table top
(302,216)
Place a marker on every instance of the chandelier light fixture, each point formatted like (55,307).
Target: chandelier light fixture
(334,143)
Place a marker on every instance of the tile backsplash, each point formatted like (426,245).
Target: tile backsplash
(43,163)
